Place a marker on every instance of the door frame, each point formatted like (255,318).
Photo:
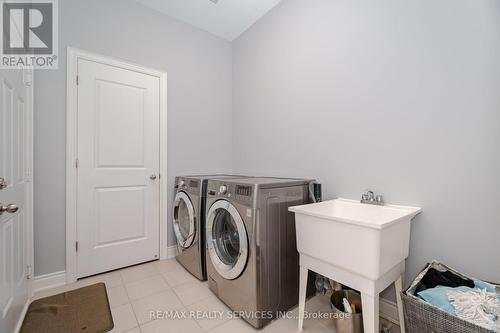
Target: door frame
(29,80)
(73,55)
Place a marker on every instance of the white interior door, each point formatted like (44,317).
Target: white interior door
(15,226)
(118,208)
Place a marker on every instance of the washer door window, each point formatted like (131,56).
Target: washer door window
(227,240)
(184,220)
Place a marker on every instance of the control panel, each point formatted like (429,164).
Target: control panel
(187,185)
(240,193)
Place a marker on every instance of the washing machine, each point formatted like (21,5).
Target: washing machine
(252,259)
(189,220)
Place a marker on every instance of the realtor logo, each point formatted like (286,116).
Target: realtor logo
(29,34)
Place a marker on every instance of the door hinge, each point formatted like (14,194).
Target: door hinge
(76,246)
(28,272)
(77,163)
(27,78)
(77,80)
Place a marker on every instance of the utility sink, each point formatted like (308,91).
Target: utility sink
(360,245)
(365,239)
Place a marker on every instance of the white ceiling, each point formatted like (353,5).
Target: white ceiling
(227,18)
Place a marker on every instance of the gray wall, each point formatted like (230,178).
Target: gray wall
(199,101)
(399,97)
(402,97)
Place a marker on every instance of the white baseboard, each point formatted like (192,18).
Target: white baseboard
(17,329)
(48,281)
(171,252)
(57,279)
(389,311)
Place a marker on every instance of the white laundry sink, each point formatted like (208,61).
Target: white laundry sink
(360,245)
(368,240)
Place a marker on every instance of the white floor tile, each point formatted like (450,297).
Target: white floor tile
(163,301)
(140,272)
(317,304)
(124,318)
(291,325)
(117,296)
(134,330)
(146,287)
(167,265)
(235,325)
(173,326)
(190,293)
(176,277)
(174,289)
(213,312)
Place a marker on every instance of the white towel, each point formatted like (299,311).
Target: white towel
(477,306)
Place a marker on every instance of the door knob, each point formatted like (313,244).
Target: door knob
(9,208)
(3,183)
(153,177)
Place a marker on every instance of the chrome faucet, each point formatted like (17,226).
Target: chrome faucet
(370,198)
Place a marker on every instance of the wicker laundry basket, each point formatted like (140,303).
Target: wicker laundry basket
(421,317)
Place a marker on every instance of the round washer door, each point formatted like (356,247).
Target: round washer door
(184,220)
(227,240)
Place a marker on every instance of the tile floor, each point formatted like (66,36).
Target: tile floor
(165,286)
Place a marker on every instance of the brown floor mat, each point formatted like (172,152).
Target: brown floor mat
(81,310)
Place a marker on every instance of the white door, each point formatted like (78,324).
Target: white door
(118,208)
(15,159)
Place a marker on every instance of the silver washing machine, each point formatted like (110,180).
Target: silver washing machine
(252,259)
(189,220)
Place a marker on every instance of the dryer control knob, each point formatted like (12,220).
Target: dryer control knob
(181,183)
(223,189)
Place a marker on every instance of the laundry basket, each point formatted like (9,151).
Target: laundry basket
(422,317)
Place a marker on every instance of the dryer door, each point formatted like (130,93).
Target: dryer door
(184,220)
(227,239)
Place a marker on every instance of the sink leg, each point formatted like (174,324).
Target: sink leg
(399,288)
(302,295)
(370,306)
